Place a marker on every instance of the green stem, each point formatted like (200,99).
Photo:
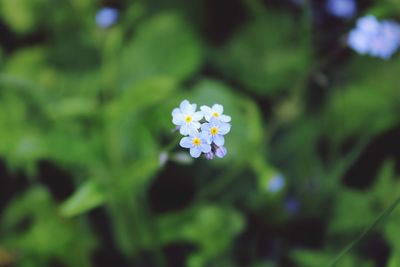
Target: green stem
(219,184)
(350,246)
(173,144)
(346,161)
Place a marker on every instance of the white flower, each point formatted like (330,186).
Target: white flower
(215,131)
(187,118)
(197,144)
(215,112)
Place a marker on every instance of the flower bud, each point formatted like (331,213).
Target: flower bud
(209,155)
(220,152)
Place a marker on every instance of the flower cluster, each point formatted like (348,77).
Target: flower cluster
(378,39)
(203,130)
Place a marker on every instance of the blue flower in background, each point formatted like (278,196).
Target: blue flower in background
(276,183)
(292,205)
(368,24)
(377,39)
(106,17)
(342,8)
(215,131)
(386,43)
(359,41)
(197,143)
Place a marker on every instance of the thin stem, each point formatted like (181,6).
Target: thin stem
(172,144)
(219,184)
(350,246)
(348,160)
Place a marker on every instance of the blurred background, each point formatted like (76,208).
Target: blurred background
(91,173)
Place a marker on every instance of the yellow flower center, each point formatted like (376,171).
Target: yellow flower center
(188,118)
(215,114)
(214,130)
(196,141)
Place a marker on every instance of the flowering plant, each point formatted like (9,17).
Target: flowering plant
(203,130)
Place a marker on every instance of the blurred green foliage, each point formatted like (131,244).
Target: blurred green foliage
(96,102)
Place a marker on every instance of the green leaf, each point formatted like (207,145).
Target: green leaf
(211,227)
(46,235)
(360,109)
(265,56)
(22,15)
(352,212)
(88,196)
(309,258)
(141,95)
(163,45)
(394,260)
(129,128)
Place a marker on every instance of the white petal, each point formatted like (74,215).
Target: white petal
(205,148)
(214,122)
(219,140)
(186,142)
(195,125)
(205,127)
(185,129)
(188,108)
(195,152)
(207,112)
(192,129)
(206,137)
(175,111)
(225,118)
(197,116)
(184,104)
(205,109)
(192,108)
(177,119)
(218,108)
(224,128)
